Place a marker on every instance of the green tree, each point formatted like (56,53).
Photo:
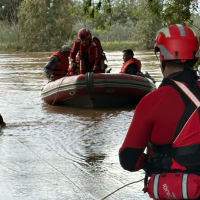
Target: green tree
(196,22)
(45,25)
(169,11)
(105,13)
(131,21)
(173,11)
(9,10)
(146,27)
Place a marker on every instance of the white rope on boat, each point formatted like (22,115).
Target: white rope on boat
(58,90)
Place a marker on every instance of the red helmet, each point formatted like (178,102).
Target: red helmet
(177,42)
(84,33)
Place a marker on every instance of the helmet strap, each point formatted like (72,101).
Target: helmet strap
(176,52)
(194,57)
(161,66)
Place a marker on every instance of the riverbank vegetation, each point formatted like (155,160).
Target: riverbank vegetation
(45,25)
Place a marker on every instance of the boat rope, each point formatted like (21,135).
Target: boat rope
(58,90)
(51,166)
(121,188)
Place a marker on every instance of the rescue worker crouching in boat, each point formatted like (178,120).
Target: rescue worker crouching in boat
(58,65)
(89,51)
(167,122)
(131,65)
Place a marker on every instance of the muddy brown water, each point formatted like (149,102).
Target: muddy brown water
(62,153)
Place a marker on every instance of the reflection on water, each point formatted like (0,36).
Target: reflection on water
(60,153)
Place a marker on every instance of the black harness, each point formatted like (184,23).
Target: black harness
(187,156)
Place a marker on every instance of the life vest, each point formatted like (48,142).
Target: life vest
(131,61)
(175,167)
(183,154)
(61,70)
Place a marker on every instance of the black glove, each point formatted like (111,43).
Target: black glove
(108,71)
(74,65)
(52,78)
(94,71)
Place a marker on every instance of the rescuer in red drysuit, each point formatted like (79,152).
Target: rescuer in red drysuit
(167,120)
(90,52)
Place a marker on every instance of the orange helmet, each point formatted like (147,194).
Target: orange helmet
(84,33)
(177,42)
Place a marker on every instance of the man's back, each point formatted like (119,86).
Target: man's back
(160,111)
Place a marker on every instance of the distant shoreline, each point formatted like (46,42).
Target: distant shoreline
(107,46)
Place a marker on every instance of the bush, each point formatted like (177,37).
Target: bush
(9,36)
(44,26)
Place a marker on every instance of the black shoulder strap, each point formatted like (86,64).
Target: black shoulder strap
(94,37)
(189,105)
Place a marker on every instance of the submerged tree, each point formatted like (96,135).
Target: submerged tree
(45,25)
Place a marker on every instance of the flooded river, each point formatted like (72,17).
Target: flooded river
(61,153)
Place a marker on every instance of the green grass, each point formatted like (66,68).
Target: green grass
(119,45)
(10,47)
(107,46)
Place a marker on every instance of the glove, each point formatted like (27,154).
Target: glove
(2,123)
(108,71)
(74,65)
(52,78)
(94,71)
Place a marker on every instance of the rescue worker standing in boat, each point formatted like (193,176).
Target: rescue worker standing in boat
(167,122)
(58,65)
(90,53)
(131,65)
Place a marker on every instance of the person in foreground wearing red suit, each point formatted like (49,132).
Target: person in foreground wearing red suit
(166,121)
(90,53)
(131,65)
(58,65)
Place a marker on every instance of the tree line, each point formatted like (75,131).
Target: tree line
(45,25)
